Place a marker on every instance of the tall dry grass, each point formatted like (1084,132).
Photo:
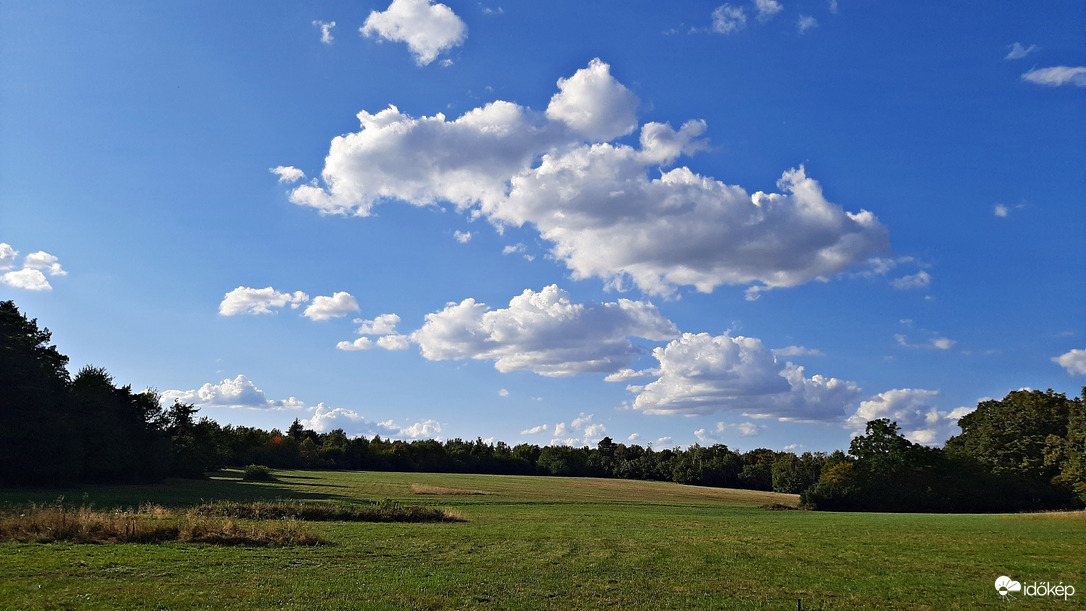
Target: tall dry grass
(47,523)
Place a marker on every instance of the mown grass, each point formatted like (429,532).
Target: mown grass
(438,490)
(552,543)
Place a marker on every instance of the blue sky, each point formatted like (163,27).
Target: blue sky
(752,223)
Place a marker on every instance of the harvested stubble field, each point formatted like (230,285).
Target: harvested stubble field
(547,543)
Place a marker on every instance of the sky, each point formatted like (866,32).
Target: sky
(753,223)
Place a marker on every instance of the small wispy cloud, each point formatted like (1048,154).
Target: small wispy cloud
(806,22)
(935,343)
(767,9)
(326,31)
(1057,76)
(1017,51)
(919,280)
(728,19)
(796,351)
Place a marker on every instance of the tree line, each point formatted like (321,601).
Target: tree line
(1026,451)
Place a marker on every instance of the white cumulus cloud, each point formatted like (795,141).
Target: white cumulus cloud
(428,29)
(915,412)
(239,392)
(337,306)
(246,300)
(806,22)
(7,255)
(608,210)
(535,430)
(1073,361)
(705,374)
(462,236)
(1057,76)
(32,275)
(544,332)
(594,105)
(394,342)
(385,324)
(287,174)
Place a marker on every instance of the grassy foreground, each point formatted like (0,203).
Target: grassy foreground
(551,543)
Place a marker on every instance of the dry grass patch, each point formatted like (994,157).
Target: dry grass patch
(424,489)
(1053,516)
(149,524)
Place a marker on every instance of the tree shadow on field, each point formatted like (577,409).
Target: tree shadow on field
(219,486)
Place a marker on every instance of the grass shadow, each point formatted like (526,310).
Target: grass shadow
(225,485)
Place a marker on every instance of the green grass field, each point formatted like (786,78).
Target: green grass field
(552,543)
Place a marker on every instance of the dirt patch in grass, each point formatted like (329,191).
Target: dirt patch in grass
(148,524)
(438,490)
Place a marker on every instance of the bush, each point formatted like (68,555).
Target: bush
(258,473)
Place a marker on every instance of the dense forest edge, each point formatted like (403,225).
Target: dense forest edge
(1025,452)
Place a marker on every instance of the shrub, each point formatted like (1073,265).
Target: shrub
(258,473)
(386,511)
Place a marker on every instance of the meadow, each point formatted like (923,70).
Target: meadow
(549,543)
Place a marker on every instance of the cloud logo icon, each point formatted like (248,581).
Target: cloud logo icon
(1005,585)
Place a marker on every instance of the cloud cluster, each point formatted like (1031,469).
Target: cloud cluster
(325,419)
(242,393)
(384,328)
(581,431)
(744,429)
(544,332)
(31,276)
(247,300)
(914,411)
(704,374)
(428,29)
(239,392)
(608,210)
